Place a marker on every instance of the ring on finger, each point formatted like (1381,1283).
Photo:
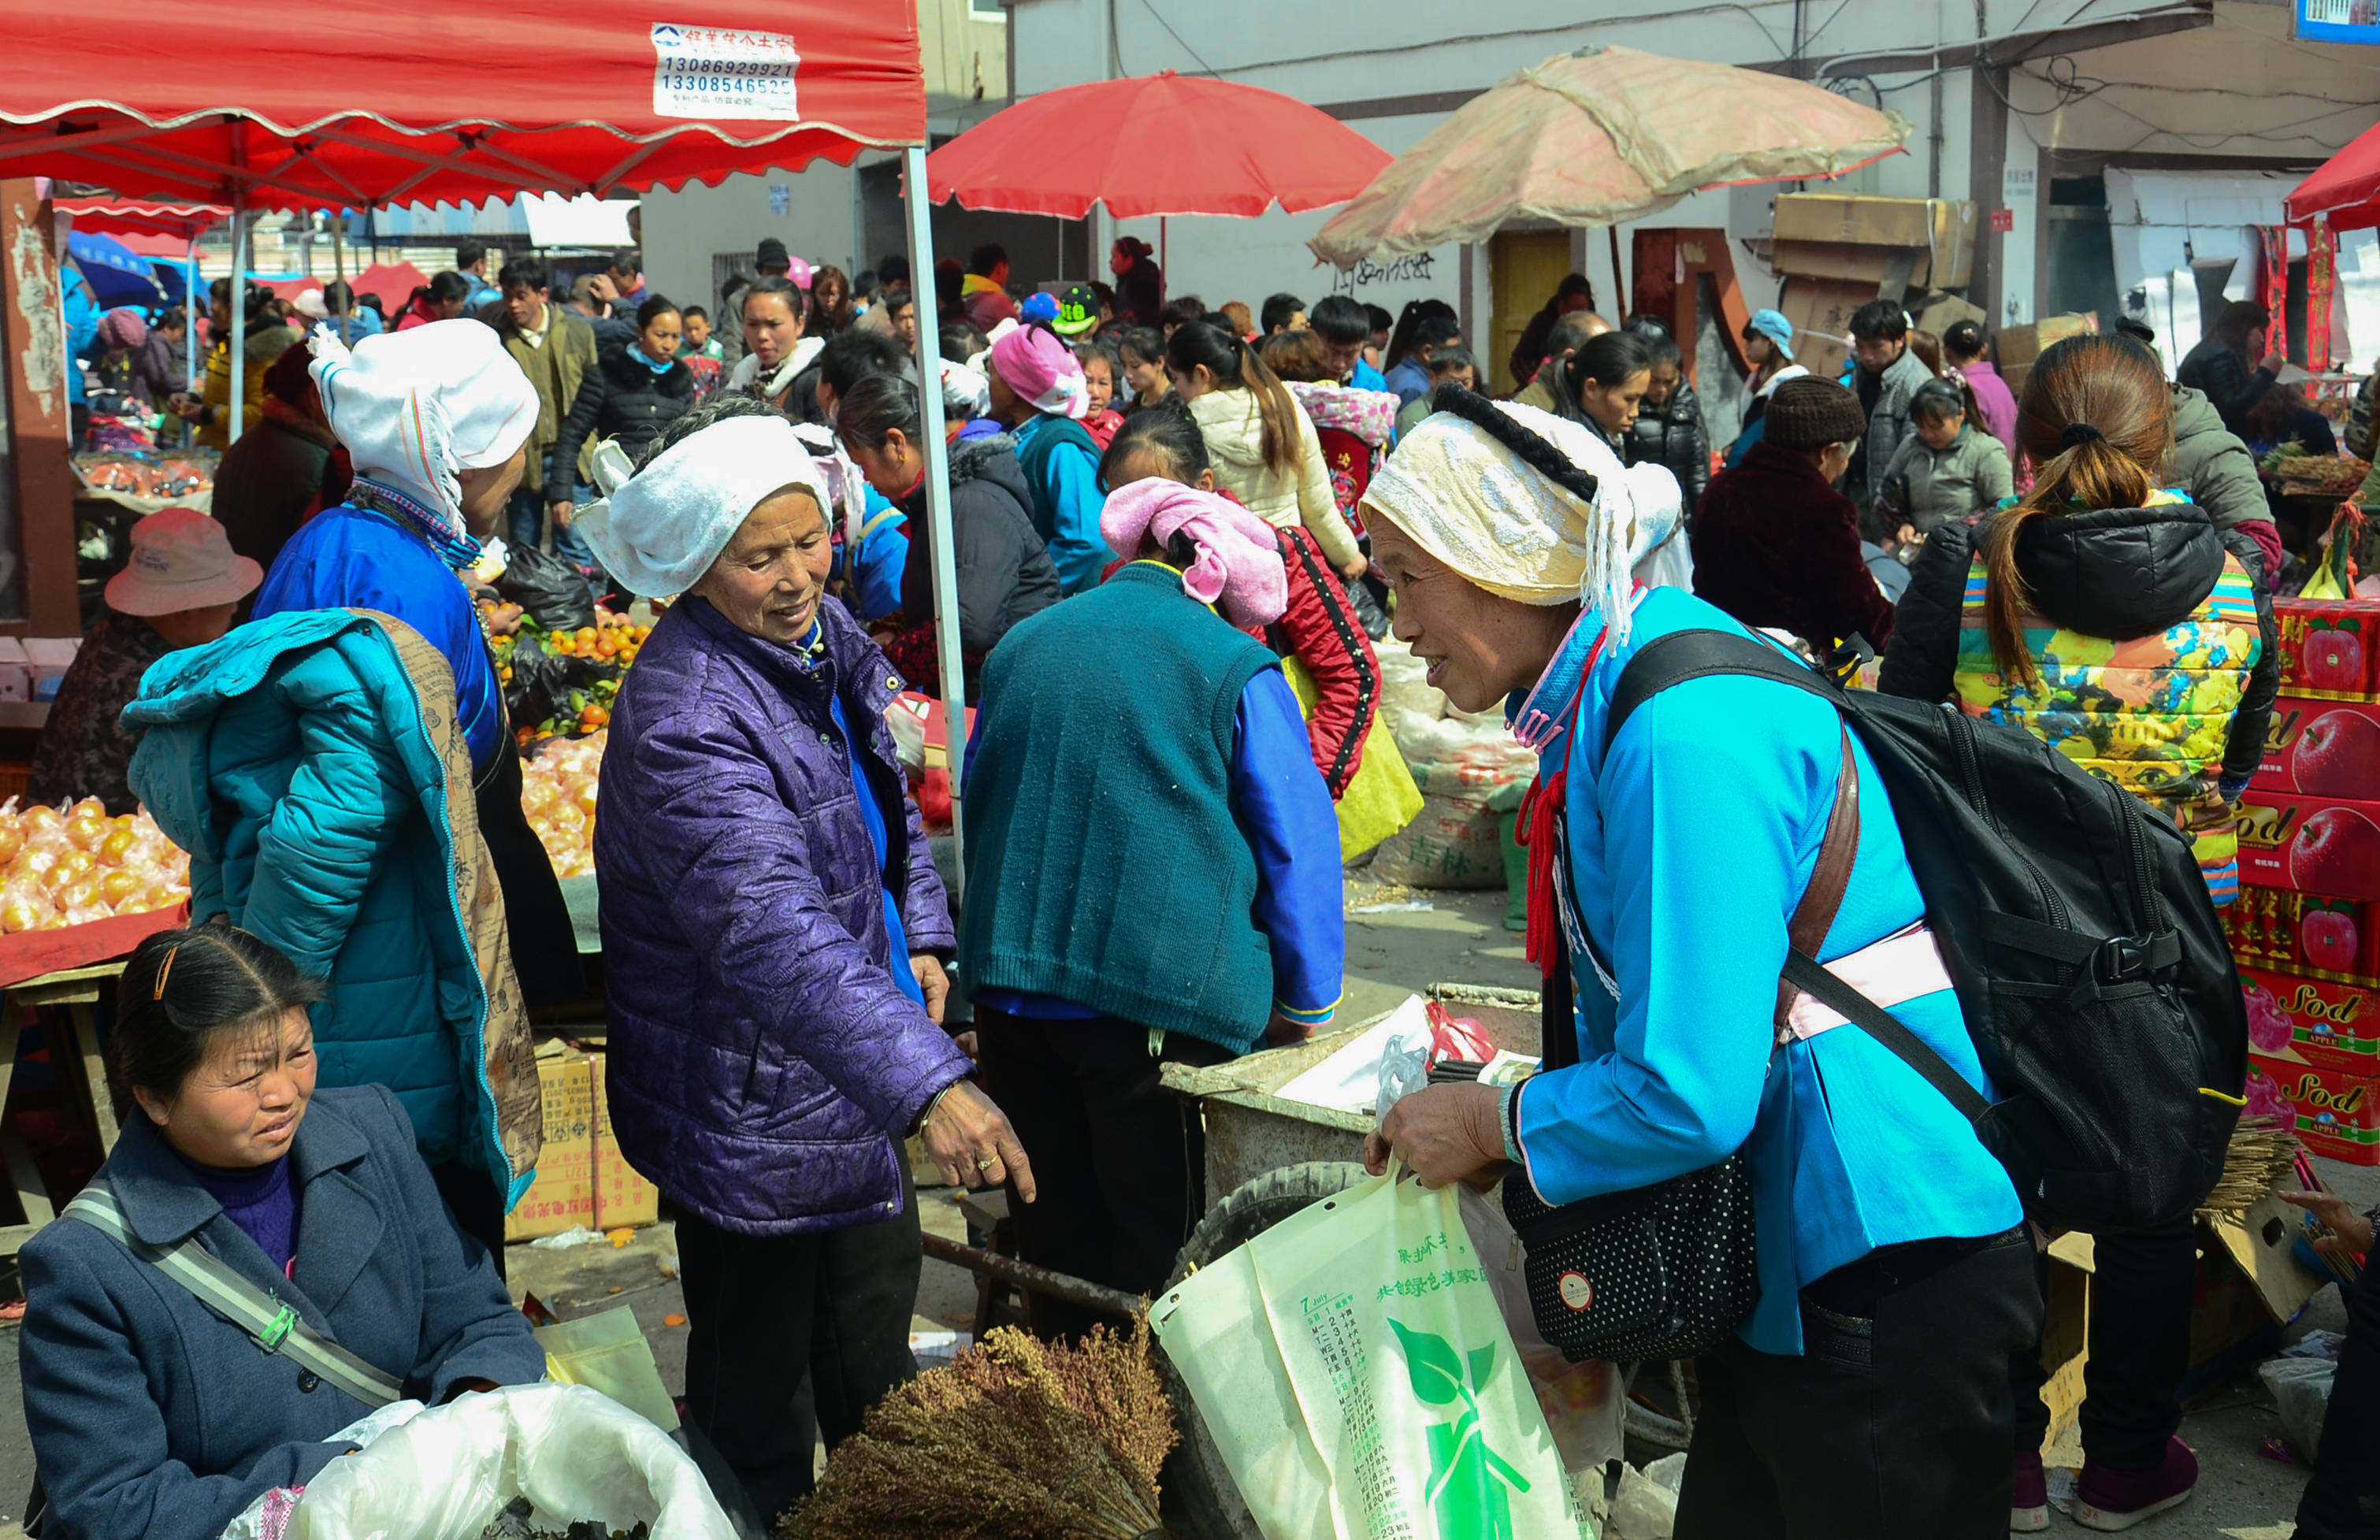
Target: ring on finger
(987,1164)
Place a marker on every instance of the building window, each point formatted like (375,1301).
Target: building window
(987,7)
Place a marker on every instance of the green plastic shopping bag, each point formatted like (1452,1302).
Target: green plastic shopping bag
(1359,1379)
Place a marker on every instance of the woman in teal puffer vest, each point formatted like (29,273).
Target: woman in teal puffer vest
(314,766)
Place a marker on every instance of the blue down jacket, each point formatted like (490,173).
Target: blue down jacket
(762,1061)
(311,764)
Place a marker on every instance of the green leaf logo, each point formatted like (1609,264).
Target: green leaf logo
(1470,1484)
(1431,1364)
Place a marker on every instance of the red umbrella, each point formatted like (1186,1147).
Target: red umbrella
(458,101)
(2346,186)
(1154,145)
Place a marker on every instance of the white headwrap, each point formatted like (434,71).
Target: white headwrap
(1507,526)
(414,407)
(665,526)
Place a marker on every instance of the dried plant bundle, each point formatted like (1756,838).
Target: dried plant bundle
(2263,1152)
(1015,1440)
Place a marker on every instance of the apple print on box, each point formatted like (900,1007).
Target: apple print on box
(2328,647)
(2324,1023)
(2310,844)
(2323,748)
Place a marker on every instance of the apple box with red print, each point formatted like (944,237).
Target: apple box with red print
(2310,844)
(2322,747)
(2328,1024)
(2339,937)
(2337,1113)
(2329,646)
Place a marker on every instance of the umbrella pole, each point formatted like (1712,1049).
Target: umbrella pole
(235,352)
(190,320)
(937,516)
(1164,260)
(1619,273)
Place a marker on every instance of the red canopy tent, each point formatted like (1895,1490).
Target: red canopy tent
(2346,186)
(466,101)
(121,217)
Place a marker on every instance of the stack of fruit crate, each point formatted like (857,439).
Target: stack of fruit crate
(2306,928)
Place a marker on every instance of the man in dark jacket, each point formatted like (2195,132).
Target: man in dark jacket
(1775,544)
(1572,294)
(1669,429)
(283,472)
(1886,374)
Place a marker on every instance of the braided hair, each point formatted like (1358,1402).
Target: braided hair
(1529,446)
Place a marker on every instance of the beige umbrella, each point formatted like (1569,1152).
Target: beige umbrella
(1601,136)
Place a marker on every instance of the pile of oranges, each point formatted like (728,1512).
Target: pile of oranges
(614,638)
(69,865)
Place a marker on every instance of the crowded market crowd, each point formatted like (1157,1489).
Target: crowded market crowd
(1182,533)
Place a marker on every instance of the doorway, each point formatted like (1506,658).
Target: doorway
(1524,267)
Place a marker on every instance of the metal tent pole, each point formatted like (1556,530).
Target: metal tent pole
(191,321)
(938,506)
(235,352)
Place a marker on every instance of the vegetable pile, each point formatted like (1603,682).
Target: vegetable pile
(69,865)
(560,683)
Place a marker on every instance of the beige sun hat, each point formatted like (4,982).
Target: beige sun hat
(181,559)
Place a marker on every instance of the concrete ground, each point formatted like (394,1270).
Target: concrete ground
(2242,1494)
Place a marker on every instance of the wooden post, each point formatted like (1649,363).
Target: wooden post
(32,328)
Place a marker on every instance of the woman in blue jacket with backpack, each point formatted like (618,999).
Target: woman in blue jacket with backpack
(1866,1393)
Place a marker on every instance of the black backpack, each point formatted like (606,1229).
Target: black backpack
(2092,971)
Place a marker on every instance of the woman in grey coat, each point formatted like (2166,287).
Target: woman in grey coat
(1946,469)
(151,1415)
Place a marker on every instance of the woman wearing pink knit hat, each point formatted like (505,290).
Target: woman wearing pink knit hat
(1039,394)
(1160,887)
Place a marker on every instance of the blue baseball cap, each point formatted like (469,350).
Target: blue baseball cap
(1773,325)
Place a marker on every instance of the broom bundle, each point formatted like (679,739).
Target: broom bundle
(2263,1151)
(1016,1440)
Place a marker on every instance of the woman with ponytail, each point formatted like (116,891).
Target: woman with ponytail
(2110,619)
(1262,443)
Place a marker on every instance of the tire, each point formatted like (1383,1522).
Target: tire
(1201,1501)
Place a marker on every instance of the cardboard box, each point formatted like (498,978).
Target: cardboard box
(622,1198)
(2338,1113)
(2320,1022)
(2330,648)
(2310,844)
(2018,346)
(2322,747)
(1818,227)
(1868,265)
(1821,310)
(563,1193)
(2305,933)
(2237,1308)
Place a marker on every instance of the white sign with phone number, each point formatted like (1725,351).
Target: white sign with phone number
(706,72)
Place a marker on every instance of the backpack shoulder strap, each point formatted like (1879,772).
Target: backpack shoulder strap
(1682,655)
(275,1326)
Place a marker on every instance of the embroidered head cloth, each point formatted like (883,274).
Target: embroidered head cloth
(1506,526)
(662,530)
(414,407)
(1239,567)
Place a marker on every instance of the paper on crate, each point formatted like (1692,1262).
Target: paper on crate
(1349,1081)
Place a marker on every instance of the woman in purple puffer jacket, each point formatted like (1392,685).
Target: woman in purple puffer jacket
(773,937)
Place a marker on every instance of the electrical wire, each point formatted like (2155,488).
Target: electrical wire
(1572,27)
(1203,65)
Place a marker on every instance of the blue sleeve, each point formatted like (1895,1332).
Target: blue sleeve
(1367,378)
(1076,548)
(1285,811)
(1696,817)
(882,558)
